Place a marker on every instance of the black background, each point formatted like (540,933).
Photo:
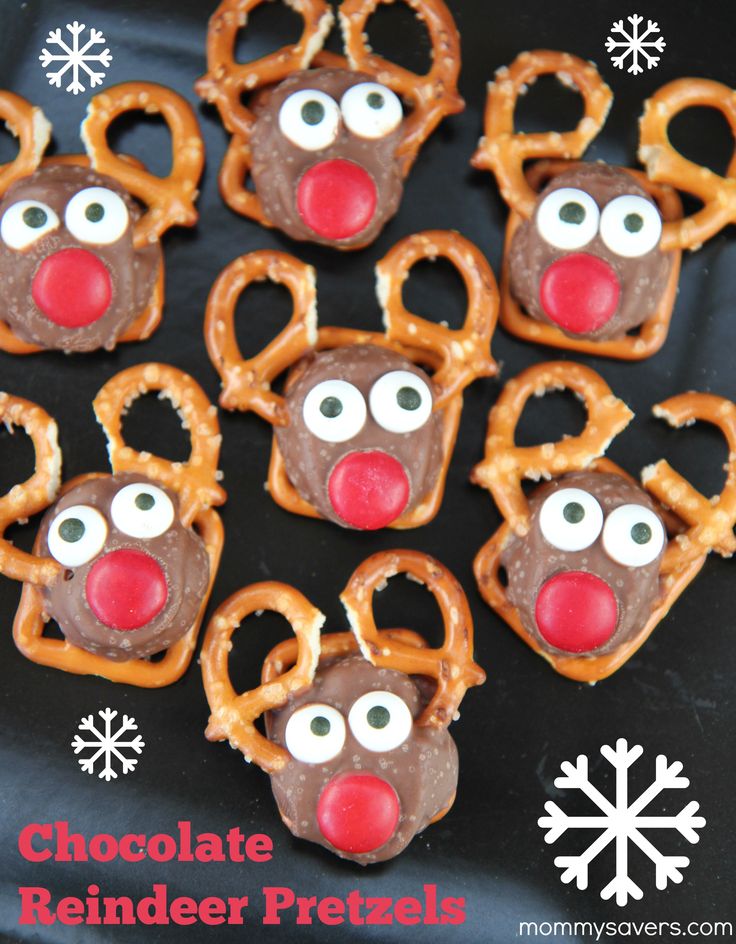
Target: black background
(674,697)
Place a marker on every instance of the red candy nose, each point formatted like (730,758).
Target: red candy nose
(368,490)
(336,199)
(72,288)
(357,812)
(579,292)
(576,611)
(126,589)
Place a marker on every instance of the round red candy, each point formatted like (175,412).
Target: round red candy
(336,199)
(126,589)
(576,611)
(368,490)
(72,288)
(358,812)
(579,292)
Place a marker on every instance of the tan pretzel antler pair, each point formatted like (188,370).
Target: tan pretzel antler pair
(233,716)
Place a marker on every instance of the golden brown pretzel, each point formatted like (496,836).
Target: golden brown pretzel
(29,124)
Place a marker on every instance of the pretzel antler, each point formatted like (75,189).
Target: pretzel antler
(466,353)
(247,383)
(506,464)
(33,495)
(232,716)
(451,665)
(503,152)
(196,480)
(665,164)
(170,200)
(29,124)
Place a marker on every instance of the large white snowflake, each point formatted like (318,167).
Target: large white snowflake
(75,57)
(635,44)
(621,821)
(108,744)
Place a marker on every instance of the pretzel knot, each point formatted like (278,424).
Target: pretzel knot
(505,465)
(30,126)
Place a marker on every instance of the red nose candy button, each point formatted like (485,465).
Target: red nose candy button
(357,812)
(368,490)
(576,611)
(126,589)
(72,288)
(580,292)
(336,199)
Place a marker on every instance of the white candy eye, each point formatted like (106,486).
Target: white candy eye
(315,734)
(380,721)
(568,218)
(97,216)
(25,222)
(142,510)
(400,401)
(76,535)
(371,110)
(633,535)
(310,119)
(570,519)
(630,226)
(334,411)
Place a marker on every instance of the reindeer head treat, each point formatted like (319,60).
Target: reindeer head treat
(80,263)
(363,433)
(356,743)
(124,563)
(327,148)
(592,253)
(592,560)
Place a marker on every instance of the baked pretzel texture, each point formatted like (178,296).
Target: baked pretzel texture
(695,525)
(455,357)
(195,531)
(350,665)
(46,318)
(532,306)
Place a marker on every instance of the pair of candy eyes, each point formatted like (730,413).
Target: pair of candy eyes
(95,215)
(629,225)
(335,410)
(379,721)
(310,119)
(571,520)
(78,533)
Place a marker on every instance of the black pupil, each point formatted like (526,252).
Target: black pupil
(35,217)
(71,530)
(641,533)
(312,112)
(572,213)
(94,212)
(573,512)
(408,398)
(319,726)
(375,100)
(633,222)
(330,407)
(144,501)
(378,716)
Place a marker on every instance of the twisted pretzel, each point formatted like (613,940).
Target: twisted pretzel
(33,130)
(505,464)
(451,665)
(503,151)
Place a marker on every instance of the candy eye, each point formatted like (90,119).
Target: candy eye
(25,222)
(400,401)
(631,226)
(315,734)
(97,216)
(142,510)
(570,519)
(77,535)
(568,218)
(371,110)
(310,119)
(380,721)
(633,535)
(334,411)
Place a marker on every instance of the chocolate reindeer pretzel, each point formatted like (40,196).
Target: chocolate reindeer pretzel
(124,563)
(592,261)
(356,742)
(86,262)
(327,148)
(592,560)
(363,435)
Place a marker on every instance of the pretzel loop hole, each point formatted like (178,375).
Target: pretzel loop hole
(29,125)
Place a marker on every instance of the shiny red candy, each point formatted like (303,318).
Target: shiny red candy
(126,589)
(336,199)
(357,812)
(72,288)
(576,611)
(368,490)
(579,292)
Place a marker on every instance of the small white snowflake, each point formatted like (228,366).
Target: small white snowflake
(108,744)
(75,57)
(635,44)
(621,822)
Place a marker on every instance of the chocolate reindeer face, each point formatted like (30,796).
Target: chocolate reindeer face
(323,149)
(362,444)
(588,261)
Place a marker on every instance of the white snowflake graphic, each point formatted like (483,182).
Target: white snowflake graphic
(108,744)
(621,822)
(635,44)
(75,57)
